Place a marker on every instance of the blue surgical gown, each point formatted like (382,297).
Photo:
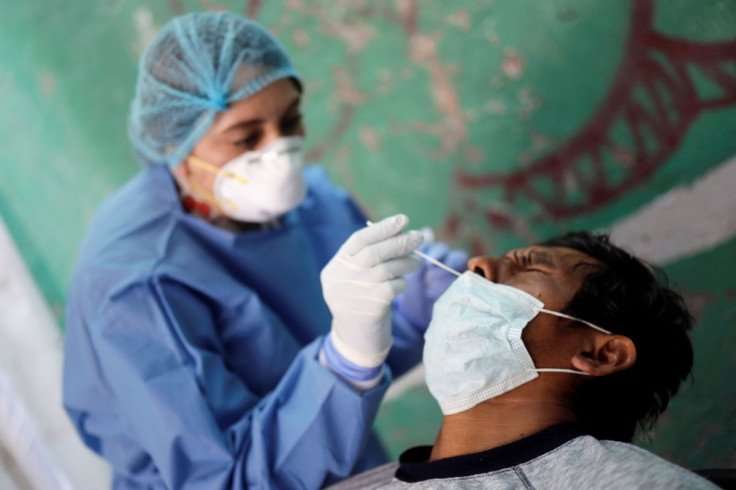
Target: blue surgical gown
(191,354)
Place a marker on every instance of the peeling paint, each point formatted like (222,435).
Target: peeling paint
(370,139)
(423,50)
(496,107)
(475,155)
(301,38)
(346,88)
(697,303)
(512,64)
(459,19)
(355,36)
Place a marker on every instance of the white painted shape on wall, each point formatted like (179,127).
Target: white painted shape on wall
(27,451)
(685,221)
(31,357)
(410,379)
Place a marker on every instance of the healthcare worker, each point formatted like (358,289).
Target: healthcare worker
(200,350)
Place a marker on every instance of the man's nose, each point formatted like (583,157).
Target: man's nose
(485,266)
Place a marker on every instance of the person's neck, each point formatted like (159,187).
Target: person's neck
(497,422)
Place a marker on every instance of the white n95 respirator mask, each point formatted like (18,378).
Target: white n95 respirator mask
(473,349)
(261,185)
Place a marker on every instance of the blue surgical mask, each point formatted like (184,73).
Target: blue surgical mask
(473,349)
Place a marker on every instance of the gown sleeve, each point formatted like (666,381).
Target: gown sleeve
(202,427)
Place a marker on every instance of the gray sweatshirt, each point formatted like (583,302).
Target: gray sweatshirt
(560,457)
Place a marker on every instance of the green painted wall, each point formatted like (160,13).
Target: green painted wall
(495,122)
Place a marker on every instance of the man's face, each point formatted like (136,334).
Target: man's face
(553,275)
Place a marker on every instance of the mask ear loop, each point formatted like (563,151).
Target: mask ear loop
(562,370)
(559,370)
(562,315)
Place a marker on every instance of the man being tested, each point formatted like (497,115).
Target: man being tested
(544,363)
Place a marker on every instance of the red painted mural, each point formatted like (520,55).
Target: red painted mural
(653,98)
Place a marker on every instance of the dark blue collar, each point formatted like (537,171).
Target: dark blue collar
(414,464)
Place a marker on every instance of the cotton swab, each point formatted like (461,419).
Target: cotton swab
(430,259)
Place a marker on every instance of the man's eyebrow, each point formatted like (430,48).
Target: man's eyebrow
(542,257)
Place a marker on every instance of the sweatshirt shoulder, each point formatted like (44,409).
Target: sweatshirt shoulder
(377,478)
(586,462)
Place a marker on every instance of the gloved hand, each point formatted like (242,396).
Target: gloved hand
(428,283)
(360,283)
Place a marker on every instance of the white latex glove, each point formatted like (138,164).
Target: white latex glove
(361,281)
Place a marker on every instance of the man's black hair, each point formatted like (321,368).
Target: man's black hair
(632,298)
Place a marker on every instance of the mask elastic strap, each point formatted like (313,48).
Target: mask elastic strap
(562,315)
(205,194)
(560,370)
(198,162)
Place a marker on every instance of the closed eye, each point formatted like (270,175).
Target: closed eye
(536,262)
(540,271)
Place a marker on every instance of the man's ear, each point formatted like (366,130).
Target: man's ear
(606,354)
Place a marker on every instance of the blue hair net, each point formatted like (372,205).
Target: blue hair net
(196,66)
